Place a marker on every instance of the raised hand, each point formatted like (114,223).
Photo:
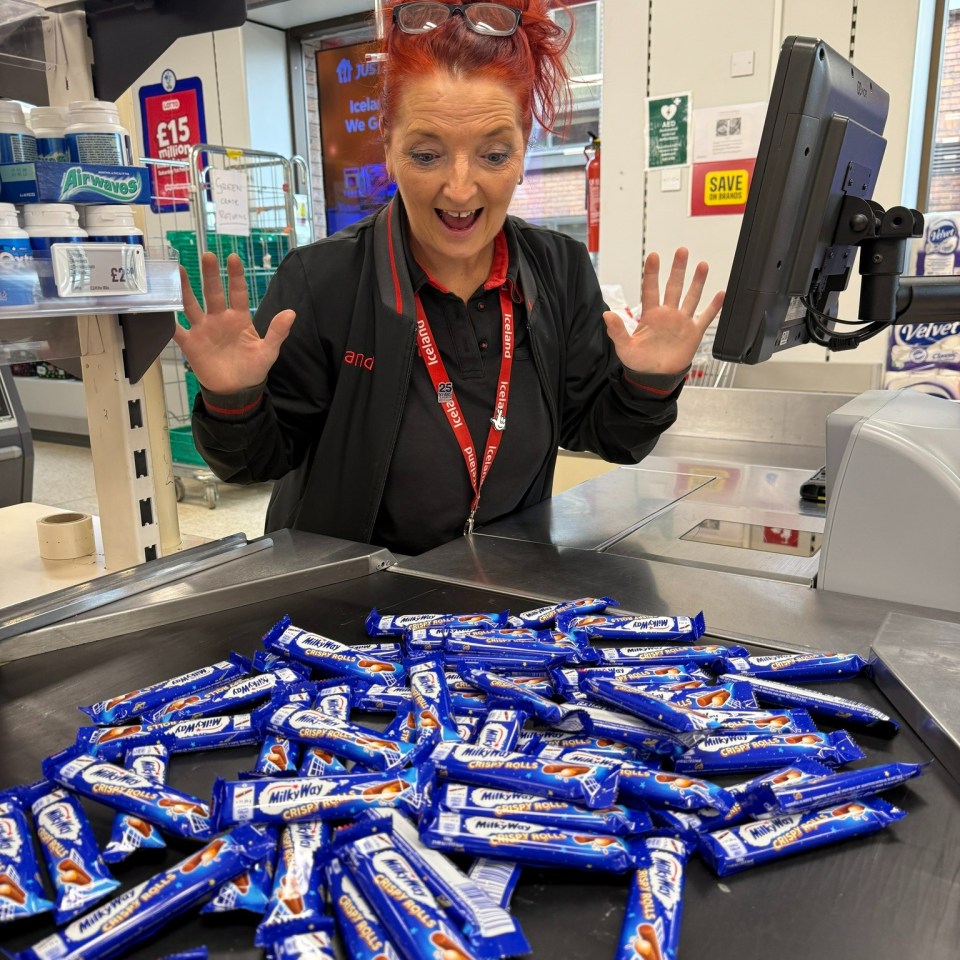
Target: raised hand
(222,345)
(670,331)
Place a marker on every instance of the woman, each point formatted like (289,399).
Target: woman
(440,349)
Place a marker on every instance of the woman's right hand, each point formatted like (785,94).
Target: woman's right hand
(222,345)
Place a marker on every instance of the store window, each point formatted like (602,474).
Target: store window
(944,189)
(553,193)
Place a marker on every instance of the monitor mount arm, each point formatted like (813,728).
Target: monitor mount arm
(883,236)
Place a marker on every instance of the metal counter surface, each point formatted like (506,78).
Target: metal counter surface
(885,897)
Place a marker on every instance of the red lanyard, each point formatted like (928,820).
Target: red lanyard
(448,399)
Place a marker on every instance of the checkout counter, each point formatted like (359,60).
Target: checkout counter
(884,897)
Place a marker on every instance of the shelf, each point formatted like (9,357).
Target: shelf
(21,35)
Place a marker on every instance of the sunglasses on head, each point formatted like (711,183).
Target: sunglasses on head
(487,19)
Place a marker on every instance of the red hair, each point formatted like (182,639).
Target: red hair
(530,63)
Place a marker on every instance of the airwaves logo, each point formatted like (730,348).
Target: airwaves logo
(76,181)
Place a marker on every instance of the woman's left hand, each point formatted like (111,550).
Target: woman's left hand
(668,333)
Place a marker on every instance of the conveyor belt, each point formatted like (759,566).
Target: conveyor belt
(885,897)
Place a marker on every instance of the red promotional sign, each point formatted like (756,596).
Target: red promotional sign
(173,120)
(781,536)
(720,187)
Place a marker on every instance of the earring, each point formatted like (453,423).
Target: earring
(520,180)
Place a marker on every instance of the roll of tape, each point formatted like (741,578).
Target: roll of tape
(65,536)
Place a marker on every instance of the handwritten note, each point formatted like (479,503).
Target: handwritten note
(231,197)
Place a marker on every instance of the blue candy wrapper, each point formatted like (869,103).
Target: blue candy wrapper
(775,694)
(400,898)
(468,726)
(304,946)
(760,841)
(501,730)
(797,666)
(380,699)
(662,789)
(546,616)
(225,698)
(330,656)
(829,790)
(616,819)
(569,680)
(21,887)
(430,697)
(504,688)
(342,737)
(632,628)
(296,900)
(249,890)
(287,799)
(529,844)
(364,936)
(533,741)
(498,878)
(683,719)
(392,652)
(139,912)
(402,727)
(592,784)
(651,923)
(125,790)
(380,625)
(747,753)
(601,722)
(131,833)
(79,875)
(700,655)
(698,694)
(133,704)
(489,929)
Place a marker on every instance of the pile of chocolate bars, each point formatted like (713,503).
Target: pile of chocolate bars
(515,740)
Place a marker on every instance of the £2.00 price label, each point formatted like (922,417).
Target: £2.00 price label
(99,269)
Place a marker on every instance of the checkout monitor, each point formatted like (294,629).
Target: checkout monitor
(822,139)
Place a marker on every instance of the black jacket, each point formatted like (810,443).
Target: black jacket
(328,420)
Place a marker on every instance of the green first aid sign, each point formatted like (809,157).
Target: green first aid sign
(668,131)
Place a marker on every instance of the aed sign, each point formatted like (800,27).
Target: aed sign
(172,119)
(720,187)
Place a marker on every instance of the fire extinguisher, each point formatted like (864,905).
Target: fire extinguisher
(592,153)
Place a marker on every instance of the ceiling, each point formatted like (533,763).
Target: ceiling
(284,14)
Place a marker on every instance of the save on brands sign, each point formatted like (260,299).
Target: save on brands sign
(172,119)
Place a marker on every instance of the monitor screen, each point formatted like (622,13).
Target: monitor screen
(822,139)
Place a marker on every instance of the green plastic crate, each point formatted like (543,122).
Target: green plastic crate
(182,447)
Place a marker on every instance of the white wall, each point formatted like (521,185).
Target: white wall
(690,44)
(268,96)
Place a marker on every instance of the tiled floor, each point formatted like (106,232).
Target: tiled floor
(63,477)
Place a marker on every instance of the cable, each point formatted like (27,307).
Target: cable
(816,324)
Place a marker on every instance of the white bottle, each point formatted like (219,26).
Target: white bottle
(48,124)
(94,134)
(14,241)
(111,223)
(47,224)
(17,142)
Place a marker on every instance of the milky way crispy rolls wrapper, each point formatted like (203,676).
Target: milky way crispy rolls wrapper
(313,728)
(130,833)
(21,886)
(679,791)
(546,616)
(138,913)
(760,841)
(286,799)
(79,875)
(651,923)
(592,784)
(528,843)
(847,712)
(304,946)
(430,698)
(364,935)
(125,790)
(390,625)
(706,655)
(831,789)
(797,666)
(296,900)
(133,704)
(687,629)
(746,753)
(521,696)
(330,656)
(414,920)
(616,819)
